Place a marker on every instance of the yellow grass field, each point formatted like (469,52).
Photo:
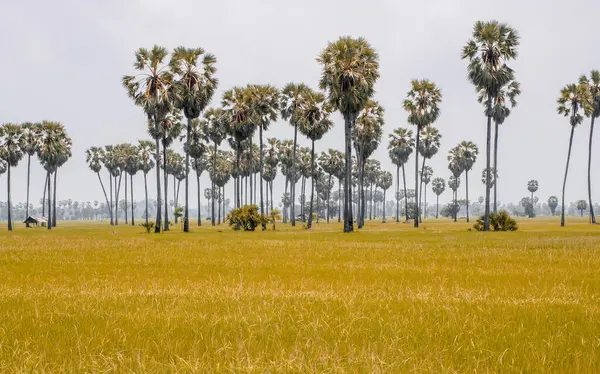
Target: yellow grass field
(94,298)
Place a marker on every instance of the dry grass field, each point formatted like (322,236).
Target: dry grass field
(94,298)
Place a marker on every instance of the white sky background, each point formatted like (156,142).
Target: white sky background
(63,60)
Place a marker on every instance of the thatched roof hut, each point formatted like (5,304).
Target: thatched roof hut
(35,221)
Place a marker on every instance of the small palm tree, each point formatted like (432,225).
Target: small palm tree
(426,174)
(145,151)
(581,206)
(331,162)
(200,165)
(384,182)
(350,70)
(574,102)
(214,127)
(11,143)
(429,145)
(438,186)
(29,145)
(194,90)
(532,186)
(593,84)
(95,158)
(468,155)
(492,45)
(454,184)
(400,148)
(552,204)
(422,104)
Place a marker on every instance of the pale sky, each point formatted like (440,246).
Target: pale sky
(63,60)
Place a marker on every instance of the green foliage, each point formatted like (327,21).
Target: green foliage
(246,218)
(178,212)
(148,226)
(274,215)
(499,221)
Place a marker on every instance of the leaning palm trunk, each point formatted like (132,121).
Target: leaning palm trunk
(562,214)
(260,168)
(348,218)
(105,197)
(10,224)
(157,226)
(592,215)
(416,224)
(495,167)
(488,137)
(467,191)
(312,185)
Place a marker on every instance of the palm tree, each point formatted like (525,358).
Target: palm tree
(194,90)
(350,70)
(593,84)
(581,206)
(214,127)
(151,90)
(384,182)
(426,174)
(200,165)
(3,168)
(532,186)
(94,158)
(270,172)
(456,165)
(314,124)
(332,162)
(422,104)
(454,184)
(366,136)
(292,99)
(401,146)
(468,154)
(11,143)
(430,140)
(145,151)
(492,45)
(553,203)
(30,143)
(132,166)
(574,100)
(500,111)
(438,185)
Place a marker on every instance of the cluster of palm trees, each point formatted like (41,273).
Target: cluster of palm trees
(50,142)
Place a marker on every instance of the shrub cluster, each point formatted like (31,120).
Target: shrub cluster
(246,218)
(499,221)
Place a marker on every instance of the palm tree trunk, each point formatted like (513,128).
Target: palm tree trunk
(131,192)
(246,190)
(110,209)
(496,167)
(531,213)
(219,208)
(126,221)
(251,160)
(54,200)
(186,210)
(396,195)
(49,223)
(384,218)
(199,202)
(486,220)
(437,206)
(328,196)
(260,170)
(302,196)
(157,226)
(175,196)
(44,198)
(562,214)
(467,191)
(416,224)
(166,182)
(339,199)
(10,223)
(371,204)
(348,218)
(592,215)
(146,195)
(285,208)
(421,191)
(223,188)
(293,185)
(312,184)
(106,197)
(238,197)
(117,191)
(405,193)
(425,202)
(455,210)
(213,183)
(28,178)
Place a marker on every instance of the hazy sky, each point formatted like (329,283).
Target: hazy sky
(63,60)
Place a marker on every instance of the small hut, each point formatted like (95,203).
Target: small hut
(35,221)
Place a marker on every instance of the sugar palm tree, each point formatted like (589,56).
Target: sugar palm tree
(331,162)
(593,84)
(574,102)
(552,204)
(265,106)
(422,104)
(429,145)
(502,104)
(454,184)
(350,70)
(438,185)
(151,90)
(30,143)
(145,151)
(532,186)
(456,166)
(385,182)
(492,45)
(426,174)
(366,136)
(200,165)
(94,157)
(214,127)
(314,124)
(271,162)
(132,166)
(468,154)
(194,90)
(292,99)
(400,148)
(11,143)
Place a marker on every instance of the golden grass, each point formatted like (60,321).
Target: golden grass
(95,298)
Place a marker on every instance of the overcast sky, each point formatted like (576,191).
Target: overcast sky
(63,60)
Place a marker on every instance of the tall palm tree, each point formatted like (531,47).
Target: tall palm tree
(422,104)
(214,127)
(3,168)
(454,184)
(151,89)
(11,143)
(430,140)
(593,84)
(532,186)
(574,102)
(456,165)
(492,45)
(400,148)
(265,106)
(350,70)
(438,185)
(132,166)
(29,145)
(200,165)
(271,162)
(426,174)
(332,162)
(145,151)
(94,157)
(194,90)
(500,111)
(468,154)
(314,124)
(292,97)
(384,182)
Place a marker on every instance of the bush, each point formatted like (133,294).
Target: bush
(148,226)
(274,215)
(246,218)
(500,221)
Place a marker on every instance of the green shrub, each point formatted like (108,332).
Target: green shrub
(499,221)
(274,215)
(148,226)
(246,218)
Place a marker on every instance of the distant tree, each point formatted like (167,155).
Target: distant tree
(553,203)
(454,183)
(400,147)
(439,186)
(11,152)
(30,143)
(94,159)
(582,206)
(145,153)
(532,186)
(428,147)
(385,182)
(468,155)
(426,175)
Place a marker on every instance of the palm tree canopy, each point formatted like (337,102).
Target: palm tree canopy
(332,162)
(385,180)
(553,201)
(94,156)
(422,103)
(196,85)
(368,129)
(170,127)
(454,183)
(30,138)
(492,175)
(314,121)
(401,146)
(438,185)
(201,164)
(426,174)
(215,124)
(532,185)
(196,135)
(430,141)
(236,103)
(593,84)
(350,70)
(11,143)
(55,147)
(468,152)
(291,100)
(575,99)
(455,162)
(146,150)
(2,166)
(264,104)
(500,109)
